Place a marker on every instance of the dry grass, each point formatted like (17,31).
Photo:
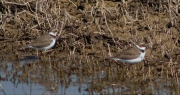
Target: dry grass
(90,31)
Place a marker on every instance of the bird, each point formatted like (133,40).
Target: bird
(44,42)
(131,55)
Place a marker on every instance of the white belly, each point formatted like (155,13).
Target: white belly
(131,61)
(50,46)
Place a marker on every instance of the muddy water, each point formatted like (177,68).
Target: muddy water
(34,76)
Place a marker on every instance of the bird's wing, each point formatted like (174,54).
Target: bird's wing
(41,41)
(128,52)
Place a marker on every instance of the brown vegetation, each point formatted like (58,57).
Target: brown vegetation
(91,30)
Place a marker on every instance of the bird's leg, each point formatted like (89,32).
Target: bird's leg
(50,62)
(37,52)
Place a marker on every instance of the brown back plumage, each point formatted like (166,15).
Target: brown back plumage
(129,53)
(42,41)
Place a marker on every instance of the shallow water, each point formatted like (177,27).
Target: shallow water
(11,86)
(32,76)
(44,88)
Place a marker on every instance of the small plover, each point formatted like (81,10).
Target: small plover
(131,55)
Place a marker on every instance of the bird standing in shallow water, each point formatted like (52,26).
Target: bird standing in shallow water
(131,55)
(44,42)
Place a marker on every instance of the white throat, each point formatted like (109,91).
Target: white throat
(52,33)
(141,48)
